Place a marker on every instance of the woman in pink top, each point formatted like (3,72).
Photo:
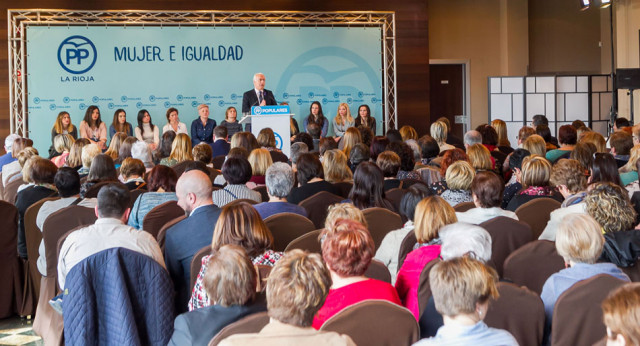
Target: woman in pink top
(432,213)
(348,249)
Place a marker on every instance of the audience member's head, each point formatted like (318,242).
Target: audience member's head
(545,132)
(19,144)
(67,182)
(579,239)
(516,158)
(336,166)
(314,130)
(325,144)
(389,163)
(621,143)
(408,132)
(309,167)
(394,135)
(578,124)
(479,157)
(306,139)
(75,154)
(489,134)
(439,132)
(8,142)
(140,150)
(350,139)
(181,148)
(583,153)
(102,169)
(114,146)
(378,145)
(244,140)
(266,138)
(459,176)
(220,132)
(621,315)
(486,190)
(368,187)
(63,142)
(366,134)
(604,169)
(359,153)
(348,248)
(132,168)
(297,287)
(238,152)
(451,156)
(230,278)
(570,175)
(240,224)
(429,148)
(536,171)
(260,160)
(236,170)
(341,211)
(501,129)
(202,152)
(405,153)
(413,195)
(162,179)
(610,206)
(125,147)
(524,133)
(298,149)
(166,142)
(432,213)
(465,240)
(567,135)
(193,189)
(89,152)
(536,145)
(279,180)
(472,137)
(620,122)
(113,201)
(42,171)
(539,119)
(595,139)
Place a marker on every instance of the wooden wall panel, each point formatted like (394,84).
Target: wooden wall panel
(412,49)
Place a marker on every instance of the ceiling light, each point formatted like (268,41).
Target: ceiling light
(605,3)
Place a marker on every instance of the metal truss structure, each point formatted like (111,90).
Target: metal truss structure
(18,20)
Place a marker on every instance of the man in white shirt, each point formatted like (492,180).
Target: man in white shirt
(109,231)
(486,190)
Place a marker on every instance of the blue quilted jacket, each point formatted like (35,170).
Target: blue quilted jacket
(118,297)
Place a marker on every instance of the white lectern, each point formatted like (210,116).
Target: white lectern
(275,117)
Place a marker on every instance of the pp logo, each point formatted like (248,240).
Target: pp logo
(257,110)
(110,105)
(207,97)
(36,100)
(285,95)
(349,100)
(360,94)
(52,106)
(95,99)
(179,98)
(123,98)
(278,140)
(194,104)
(66,100)
(77,54)
(139,104)
(374,100)
(167,104)
(336,95)
(82,106)
(221,103)
(324,101)
(311,94)
(234,97)
(299,101)
(152,98)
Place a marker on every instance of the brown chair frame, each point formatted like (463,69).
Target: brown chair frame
(286,227)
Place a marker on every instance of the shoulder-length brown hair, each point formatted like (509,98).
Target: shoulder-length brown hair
(240,224)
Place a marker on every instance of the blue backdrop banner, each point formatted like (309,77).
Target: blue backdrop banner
(154,68)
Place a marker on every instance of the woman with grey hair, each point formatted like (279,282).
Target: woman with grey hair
(140,151)
(279,182)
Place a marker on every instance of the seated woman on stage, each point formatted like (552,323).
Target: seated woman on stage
(239,224)
(365,119)
(316,116)
(146,131)
(202,127)
(120,124)
(173,122)
(94,129)
(62,126)
(348,250)
(342,121)
(231,122)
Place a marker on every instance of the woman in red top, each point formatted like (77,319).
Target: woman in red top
(348,249)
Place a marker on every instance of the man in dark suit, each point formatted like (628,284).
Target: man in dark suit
(258,96)
(188,236)
(220,146)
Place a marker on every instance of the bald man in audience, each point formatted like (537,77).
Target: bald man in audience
(188,236)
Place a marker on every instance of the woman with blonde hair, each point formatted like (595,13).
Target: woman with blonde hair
(351,138)
(480,157)
(596,139)
(536,145)
(439,132)
(458,178)
(503,140)
(114,146)
(260,161)
(267,139)
(74,160)
(340,211)
(408,132)
(621,315)
(629,172)
(336,169)
(238,224)
(534,177)
(180,151)
(62,144)
(342,121)
(62,126)
(432,213)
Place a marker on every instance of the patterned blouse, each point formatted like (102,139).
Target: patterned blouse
(232,192)
(200,299)
(454,197)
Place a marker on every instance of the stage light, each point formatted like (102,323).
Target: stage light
(605,3)
(584,4)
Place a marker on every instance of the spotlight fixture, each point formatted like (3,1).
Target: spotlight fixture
(605,3)
(584,4)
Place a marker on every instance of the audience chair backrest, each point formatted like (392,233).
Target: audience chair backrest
(160,215)
(248,324)
(577,315)
(11,190)
(93,190)
(377,270)
(406,246)
(263,192)
(317,206)
(464,206)
(536,213)
(286,227)
(263,274)
(163,231)
(180,167)
(424,288)
(532,264)
(633,272)
(507,235)
(250,201)
(218,161)
(406,183)
(381,221)
(278,156)
(308,242)
(11,289)
(363,322)
(395,197)
(344,187)
(196,265)
(526,322)
(430,174)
